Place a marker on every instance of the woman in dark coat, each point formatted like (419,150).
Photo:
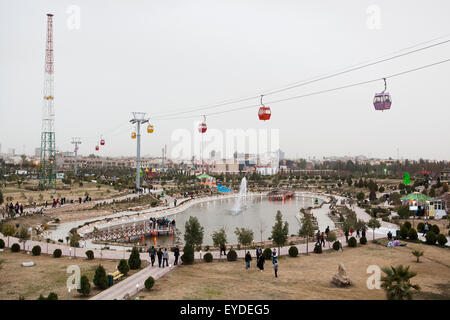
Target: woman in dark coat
(260,263)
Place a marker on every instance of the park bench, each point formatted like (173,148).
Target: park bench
(116,275)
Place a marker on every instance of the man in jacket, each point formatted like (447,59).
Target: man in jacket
(176,253)
(152,253)
(248,258)
(159,254)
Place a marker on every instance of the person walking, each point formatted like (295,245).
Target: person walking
(318,237)
(152,253)
(159,254)
(346,236)
(322,239)
(357,233)
(275,268)
(223,249)
(327,230)
(21,209)
(425,229)
(363,232)
(165,257)
(258,253)
(176,253)
(248,258)
(260,263)
(274,256)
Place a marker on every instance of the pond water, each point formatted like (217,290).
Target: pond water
(257,214)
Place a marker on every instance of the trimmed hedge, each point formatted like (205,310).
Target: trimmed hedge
(430,237)
(404,232)
(57,253)
(435,229)
(15,247)
(2,244)
(188,254)
(231,255)
(149,283)
(412,234)
(208,257)
(407,224)
(336,245)
(441,239)
(352,243)
(267,254)
(421,227)
(318,248)
(363,240)
(90,254)
(36,250)
(293,252)
(123,267)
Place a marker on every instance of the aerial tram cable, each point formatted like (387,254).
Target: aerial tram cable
(308,81)
(316,92)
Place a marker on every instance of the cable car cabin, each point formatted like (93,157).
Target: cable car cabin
(97,148)
(102,142)
(133,135)
(382,101)
(202,127)
(264,113)
(150,128)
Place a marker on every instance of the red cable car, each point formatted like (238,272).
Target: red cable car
(264,112)
(382,101)
(97,148)
(202,127)
(102,142)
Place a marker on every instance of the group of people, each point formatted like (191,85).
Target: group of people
(359,233)
(163,256)
(260,260)
(13,210)
(162,223)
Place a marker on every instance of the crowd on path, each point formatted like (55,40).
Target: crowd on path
(260,260)
(163,256)
(162,223)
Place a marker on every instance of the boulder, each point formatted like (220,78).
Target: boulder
(28,264)
(340,278)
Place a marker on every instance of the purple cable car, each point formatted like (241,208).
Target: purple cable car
(382,101)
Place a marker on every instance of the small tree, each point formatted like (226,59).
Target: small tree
(193,233)
(280,231)
(123,267)
(417,254)
(374,224)
(90,254)
(244,236)
(100,279)
(430,238)
(85,286)
(306,229)
(397,283)
(8,230)
(134,261)
(220,239)
(188,254)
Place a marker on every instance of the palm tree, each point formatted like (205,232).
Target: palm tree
(397,283)
(417,254)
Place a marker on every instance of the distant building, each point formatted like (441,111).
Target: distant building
(445,175)
(11,152)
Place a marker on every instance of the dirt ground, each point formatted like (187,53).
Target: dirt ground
(48,275)
(306,277)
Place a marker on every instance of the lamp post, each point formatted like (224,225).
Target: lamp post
(138,119)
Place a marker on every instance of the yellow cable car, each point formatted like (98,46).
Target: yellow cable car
(150,128)
(133,135)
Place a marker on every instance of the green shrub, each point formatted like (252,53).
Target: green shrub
(404,232)
(441,239)
(363,240)
(435,229)
(100,278)
(430,237)
(336,245)
(188,254)
(407,224)
(412,234)
(2,244)
(52,296)
(352,243)
(318,248)
(85,286)
(134,261)
(421,227)
(57,253)
(208,257)
(231,255)
(15,247)
(149,283)
(293,251)
(123,267)
(267,254)
(90,254)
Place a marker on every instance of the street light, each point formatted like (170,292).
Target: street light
(138,118)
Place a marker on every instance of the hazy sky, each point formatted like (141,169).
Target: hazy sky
(158,56)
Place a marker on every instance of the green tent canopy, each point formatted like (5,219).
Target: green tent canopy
(416,197)
(204,176)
